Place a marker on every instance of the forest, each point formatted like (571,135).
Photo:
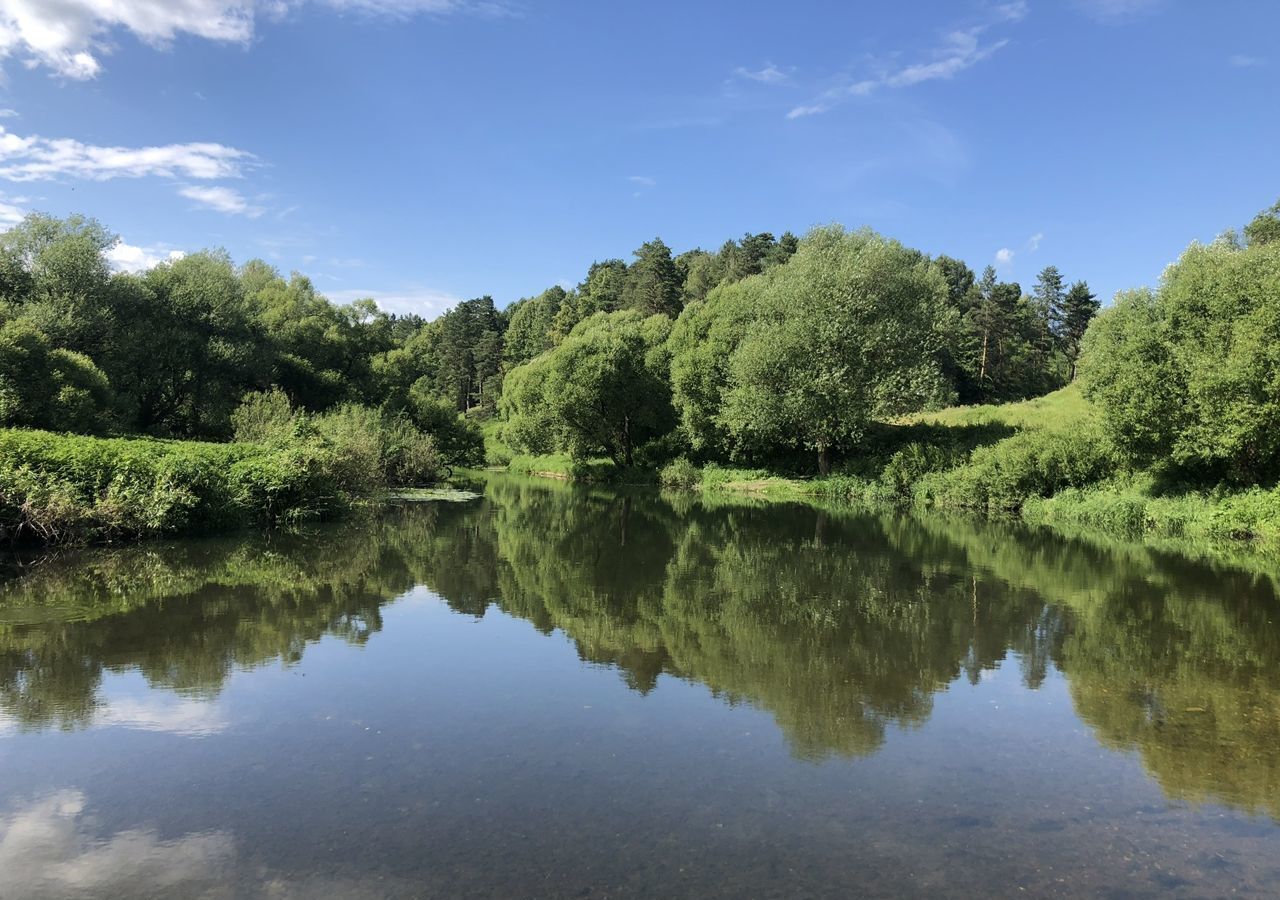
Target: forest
(202,393)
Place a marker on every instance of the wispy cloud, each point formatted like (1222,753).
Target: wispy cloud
(36,158)
(223,199)
(642,180)
(69,37)
(1004,257)
(1033,242)
(959,50)
(769,74)
(8,113)
(1246,62)
(1112,11)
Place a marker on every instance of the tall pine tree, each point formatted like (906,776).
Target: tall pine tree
(1079,306)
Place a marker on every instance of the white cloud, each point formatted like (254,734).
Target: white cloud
(8,113)
(1033,242)
(223,199)
(129,258)
(1004,256)
(69,37)
(1246,62)
(37,158)
(47,849)
(770,74)
(421,301)
(960,50)
(1117,10)
(11,210)
(642,180)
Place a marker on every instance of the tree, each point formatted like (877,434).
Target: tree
(600,291)
(42,386)
(845,332)
(466,351)
(653,282)
(1190,374)
(602,390)
(530,324)
(1079,306)
(57,278)
(1265,227)
(1048,295)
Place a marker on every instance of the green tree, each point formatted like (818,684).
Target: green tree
(602,390)
(1265,227)
(1190,374)
(1078,308)
(845,332)
(653,281)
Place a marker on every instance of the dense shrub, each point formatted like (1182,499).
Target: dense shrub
(1032,463)
(1133,511)
(680,473)
(370,449)
(57,487)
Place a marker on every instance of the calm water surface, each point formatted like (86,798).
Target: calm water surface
(570,692)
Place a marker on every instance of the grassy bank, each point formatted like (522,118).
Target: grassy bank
(1045,460)
(57,487)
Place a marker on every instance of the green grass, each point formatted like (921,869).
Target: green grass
(1063,409)
(496,451)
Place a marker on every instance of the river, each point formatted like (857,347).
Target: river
(572,691)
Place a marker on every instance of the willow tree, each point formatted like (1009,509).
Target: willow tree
(848,331)
(602,390)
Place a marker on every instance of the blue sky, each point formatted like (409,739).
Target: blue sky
(422,151)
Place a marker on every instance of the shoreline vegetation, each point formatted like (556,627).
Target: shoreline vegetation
(1030,461)
(838,367)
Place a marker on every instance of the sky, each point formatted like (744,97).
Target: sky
(426,151)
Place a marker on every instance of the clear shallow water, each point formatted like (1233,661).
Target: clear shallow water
(560,691)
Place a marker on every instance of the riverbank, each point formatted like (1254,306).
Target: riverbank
(1045,461)
(59,487)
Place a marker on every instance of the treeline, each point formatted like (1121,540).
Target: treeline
(672,353)
(800,357)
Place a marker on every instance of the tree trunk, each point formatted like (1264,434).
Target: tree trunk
(824,460)
(982,371)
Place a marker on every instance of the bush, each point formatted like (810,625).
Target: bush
(60,487)
(412,456)
(267,417)
(1033,463)
(680,473)
(355,437)
(460,441)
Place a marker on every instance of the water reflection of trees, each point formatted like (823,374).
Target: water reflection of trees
(838,624)
(1174,658)
(187,614)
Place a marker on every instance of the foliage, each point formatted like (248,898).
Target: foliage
(64,487)
(846,331)
(680,473)
(602,390)
(1191,373)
